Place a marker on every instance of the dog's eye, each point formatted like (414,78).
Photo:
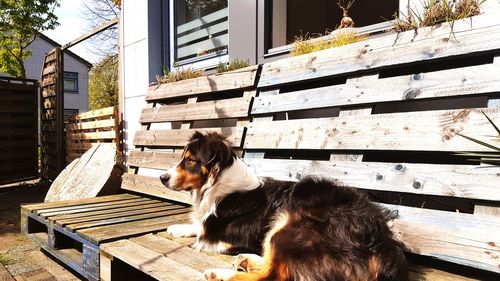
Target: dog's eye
(191,161)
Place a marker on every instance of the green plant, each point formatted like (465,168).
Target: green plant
(5,259)
(178,74)
(492,158)
(233,65)
(436,12)
(304,44)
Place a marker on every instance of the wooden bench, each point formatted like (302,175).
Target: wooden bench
(74,231)
(381,115)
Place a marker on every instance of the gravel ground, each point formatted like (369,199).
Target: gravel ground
(18,254)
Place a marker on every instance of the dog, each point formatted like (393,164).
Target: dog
(311,230)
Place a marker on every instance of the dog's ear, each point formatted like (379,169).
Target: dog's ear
(222,158)
(197,135)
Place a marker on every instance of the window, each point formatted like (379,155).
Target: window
(290,18)
(201,29)
(71,82)
(68,112)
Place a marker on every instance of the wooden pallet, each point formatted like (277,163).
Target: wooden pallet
(86,129)
(72,231)
(156,256)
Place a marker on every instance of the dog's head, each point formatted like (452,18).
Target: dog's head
(204,158)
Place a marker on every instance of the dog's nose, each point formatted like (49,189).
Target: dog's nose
(164,179)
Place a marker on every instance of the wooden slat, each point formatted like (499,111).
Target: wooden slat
(114,213)
(218,109)
(49,70)
(180,253)
(153,186)
(91,125)
(94,114)
(91,207)
(381,52)
(152,263)
(238,79)
(84,216)
(103,234)
(428,131)
(454,237)
(130,218)
(181,137)
(5,275)
(153,159)
(65,203)
(465,181)
(93,135)
(453,82)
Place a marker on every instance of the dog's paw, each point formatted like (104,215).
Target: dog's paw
(248,262)
(182,230)
(218,274)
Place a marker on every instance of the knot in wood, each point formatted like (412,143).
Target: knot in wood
(411,94)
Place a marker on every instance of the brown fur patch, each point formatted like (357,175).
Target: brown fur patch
(186,180)
(373,265)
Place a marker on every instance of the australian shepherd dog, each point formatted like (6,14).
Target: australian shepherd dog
(311,230)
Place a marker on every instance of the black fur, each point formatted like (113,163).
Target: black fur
(334,229)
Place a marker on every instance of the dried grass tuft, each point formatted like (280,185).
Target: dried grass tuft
(436,12)
(178,75)
(233,65)
(305,44)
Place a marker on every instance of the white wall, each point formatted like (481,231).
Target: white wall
(140,55)
(34,66)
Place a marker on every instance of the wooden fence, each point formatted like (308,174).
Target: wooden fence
(18,129)
(51,115)
(382,115)
(83,130)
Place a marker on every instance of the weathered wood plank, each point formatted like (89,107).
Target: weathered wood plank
(93,135)
(103,234)
(113,214)
(428,131)
(381,52)
(120,211)
(180,253)
(95,207)
(455,237)
(5,275)
(150,262)
(153,186)
(218,109)
(238,79)
(472,80)
(181,137)
(153,159)
(98,124)
(129,218)
(66,203)
(466,181)
(108,111)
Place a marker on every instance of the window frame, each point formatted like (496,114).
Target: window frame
(73,91)
(207,61)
